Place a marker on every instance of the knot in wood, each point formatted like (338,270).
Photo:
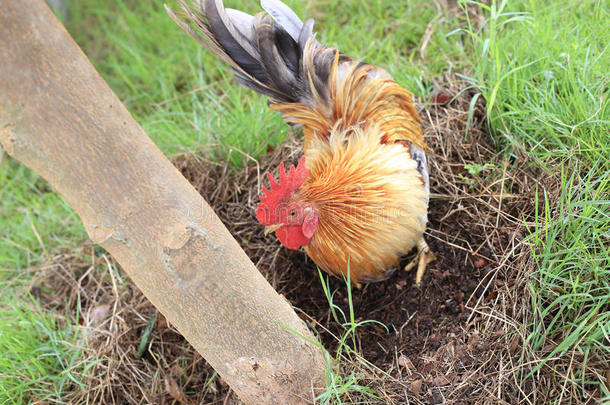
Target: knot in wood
(184,251)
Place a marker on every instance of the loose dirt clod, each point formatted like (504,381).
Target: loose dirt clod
(451,341)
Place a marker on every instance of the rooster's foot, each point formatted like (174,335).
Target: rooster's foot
(424,256)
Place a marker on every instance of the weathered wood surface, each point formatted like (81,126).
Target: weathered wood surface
(58,117)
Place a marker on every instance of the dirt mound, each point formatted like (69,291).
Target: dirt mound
(442,342)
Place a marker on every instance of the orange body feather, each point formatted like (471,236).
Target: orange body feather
(371,199)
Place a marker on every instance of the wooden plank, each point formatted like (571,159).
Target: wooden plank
(58,117)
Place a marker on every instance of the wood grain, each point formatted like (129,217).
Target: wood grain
(58,117)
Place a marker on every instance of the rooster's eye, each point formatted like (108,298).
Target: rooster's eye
(293,213)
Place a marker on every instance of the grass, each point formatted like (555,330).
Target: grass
(542,69)
(181,94)
(35,221)
(340,383)
(39,359)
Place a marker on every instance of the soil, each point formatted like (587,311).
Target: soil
(427,344)
(417,330)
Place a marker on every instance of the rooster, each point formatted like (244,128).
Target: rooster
(358,198)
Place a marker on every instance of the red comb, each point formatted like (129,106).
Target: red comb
(267,211)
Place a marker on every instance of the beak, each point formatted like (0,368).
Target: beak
(272,228)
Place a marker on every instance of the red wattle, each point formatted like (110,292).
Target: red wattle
(291,236)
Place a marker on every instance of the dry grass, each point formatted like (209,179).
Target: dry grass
(458,340)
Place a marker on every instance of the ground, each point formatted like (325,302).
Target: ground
(430,344)
(516,307)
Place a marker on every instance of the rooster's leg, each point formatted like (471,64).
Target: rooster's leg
(424,256)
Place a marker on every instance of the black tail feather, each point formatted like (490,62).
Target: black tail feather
(278,71)
(265,51)
(231,39)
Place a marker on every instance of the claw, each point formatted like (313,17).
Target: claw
(412,263)
(424,256)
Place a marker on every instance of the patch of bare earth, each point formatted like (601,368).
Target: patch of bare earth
(454,340)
